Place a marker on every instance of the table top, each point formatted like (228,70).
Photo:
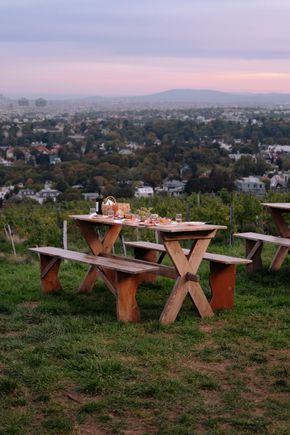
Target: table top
(173,227)
(280,205)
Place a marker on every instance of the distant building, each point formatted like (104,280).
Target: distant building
(172,187)
(4,162)
(10,153)
(279,181)
(251,185)
(26,193)
(5,190)
(238,155)
(42,195)
(144,192)
(47,193)
(90,196)
(54,160)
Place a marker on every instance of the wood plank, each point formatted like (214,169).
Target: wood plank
(89,280)
(127,307)
(278,258)
(183,266)
(169,228)
(197,252)
(116,263)
(200,301)
(49,280)
(174,302)
(209,256)
(254,248)
(280,205)
(222,283)
(87,230)
(161,269)
(275,240)
(110,238)
(49,266)
(281,224)
(257,246)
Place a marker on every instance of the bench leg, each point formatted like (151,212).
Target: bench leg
(222,283)
(279,257)
(88,282)
(253,252)
(90,279)
(146,255)
(127,307)
(49,267)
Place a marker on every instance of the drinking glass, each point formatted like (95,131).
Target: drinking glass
(92,211)
(178,217)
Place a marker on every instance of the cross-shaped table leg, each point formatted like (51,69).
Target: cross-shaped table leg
(283,230)
(187,268)
(98,247)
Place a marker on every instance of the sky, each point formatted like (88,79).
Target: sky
(138,47)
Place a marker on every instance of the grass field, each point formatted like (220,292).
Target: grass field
(67,366)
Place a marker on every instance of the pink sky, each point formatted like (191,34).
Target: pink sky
(92,47)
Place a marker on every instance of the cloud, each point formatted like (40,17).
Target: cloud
(144,33)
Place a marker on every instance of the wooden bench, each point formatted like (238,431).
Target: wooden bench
(222,270)
(254,246)
(121,276)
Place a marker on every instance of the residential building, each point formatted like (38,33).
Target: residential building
(144,192)
(172,187)
(279,181)
(251,185)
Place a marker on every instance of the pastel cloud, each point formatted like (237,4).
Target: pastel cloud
(137,46)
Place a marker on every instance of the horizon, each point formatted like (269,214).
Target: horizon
(133,48)
(61,96)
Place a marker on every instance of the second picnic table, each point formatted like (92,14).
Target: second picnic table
(277,210)
(255,241)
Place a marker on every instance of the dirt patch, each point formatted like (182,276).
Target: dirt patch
(208,367)
(10,334)
(75,397)
(32,304)
(16,258)
(208,328)
(88,428)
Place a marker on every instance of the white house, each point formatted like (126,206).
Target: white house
(144,192)
(279,181)
(172,187)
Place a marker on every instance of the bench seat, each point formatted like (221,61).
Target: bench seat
(121,276)
(254,246)
(217,258)
(275,240)
(222,270)
(113,263)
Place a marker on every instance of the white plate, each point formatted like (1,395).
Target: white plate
(195,223)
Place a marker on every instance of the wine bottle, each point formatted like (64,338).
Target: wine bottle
(97,209)
(99,202)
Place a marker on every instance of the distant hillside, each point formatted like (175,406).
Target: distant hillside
(203,96)
(177,97)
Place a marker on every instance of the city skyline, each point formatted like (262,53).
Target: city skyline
(110,48)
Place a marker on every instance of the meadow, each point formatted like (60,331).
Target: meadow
(67,365)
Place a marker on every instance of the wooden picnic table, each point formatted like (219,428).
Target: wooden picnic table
(171,235)
(277,211)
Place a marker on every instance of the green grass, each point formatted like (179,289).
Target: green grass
(67,365)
